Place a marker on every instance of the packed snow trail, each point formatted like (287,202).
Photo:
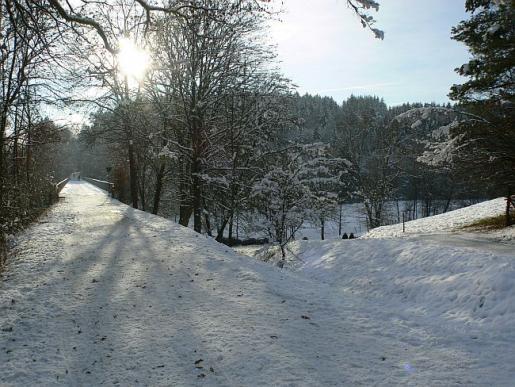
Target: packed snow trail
(99,293)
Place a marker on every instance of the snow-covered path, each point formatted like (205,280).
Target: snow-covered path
(98,293)
(487,243)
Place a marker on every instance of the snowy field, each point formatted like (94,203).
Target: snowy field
(99,293)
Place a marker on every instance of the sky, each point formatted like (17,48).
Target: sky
(324,50)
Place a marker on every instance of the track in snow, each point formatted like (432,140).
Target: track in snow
(98,293)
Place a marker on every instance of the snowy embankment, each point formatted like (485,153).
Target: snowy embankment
(449,221)
(459,277)
(454,287)
(472,287)
(462,297)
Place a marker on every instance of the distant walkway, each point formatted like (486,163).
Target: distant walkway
(98,293)
(470,241)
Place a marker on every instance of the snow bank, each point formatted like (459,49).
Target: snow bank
(446,290)
(466,286)
(449,221)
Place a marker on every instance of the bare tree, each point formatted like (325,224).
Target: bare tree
(210,63)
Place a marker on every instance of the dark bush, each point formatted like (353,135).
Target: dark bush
(232,242)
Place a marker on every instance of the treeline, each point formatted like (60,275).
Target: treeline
(313,155)
(384,145)
(32,147)
(36,157)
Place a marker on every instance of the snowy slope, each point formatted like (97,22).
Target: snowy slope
(449,221)
(98,293)
(443,281)
(461,297)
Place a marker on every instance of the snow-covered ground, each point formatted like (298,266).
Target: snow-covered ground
(453,298)
(99,293)
(454,287)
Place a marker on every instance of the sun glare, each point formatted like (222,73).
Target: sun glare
(132,61)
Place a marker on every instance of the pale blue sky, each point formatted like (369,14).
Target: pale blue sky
(324,50)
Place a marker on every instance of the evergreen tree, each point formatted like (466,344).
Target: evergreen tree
(485,145)
(489,35)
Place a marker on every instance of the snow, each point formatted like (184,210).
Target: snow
(424,113)
(427,277)
(99,293)
(449,221)
(166,152)
(443,131)
(416,124)
(452,294)
(493,29)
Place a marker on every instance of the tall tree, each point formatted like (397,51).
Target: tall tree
(365,138)
(485,144)
(212,68)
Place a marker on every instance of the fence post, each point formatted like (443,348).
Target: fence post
(508,205)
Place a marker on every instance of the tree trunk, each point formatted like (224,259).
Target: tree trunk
(141,187)
(447,204)
(340,221)
(15,148)
(15,159)
(28,155)
(185,211)
(237,226)
(283,254)
(220,232)
(208,224)
(231,224)
(3,124)
(133,175)
(159,186)
(197,196)
(322,229)
(1,154)
(508,205)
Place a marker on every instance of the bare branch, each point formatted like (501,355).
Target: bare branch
(86,21)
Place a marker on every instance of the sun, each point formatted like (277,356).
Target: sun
(133,61)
